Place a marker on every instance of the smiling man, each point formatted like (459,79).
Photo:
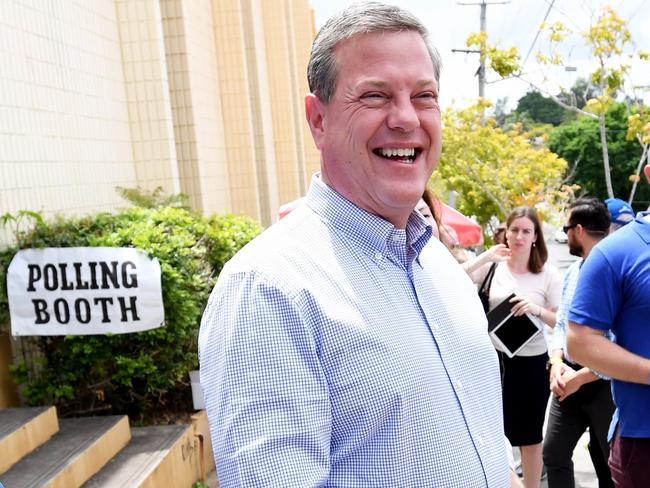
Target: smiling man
(343,347)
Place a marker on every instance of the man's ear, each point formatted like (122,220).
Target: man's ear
(646,172)
(315,111)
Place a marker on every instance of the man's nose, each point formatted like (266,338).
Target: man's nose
(403,116)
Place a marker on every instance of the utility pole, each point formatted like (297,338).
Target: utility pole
(481,68)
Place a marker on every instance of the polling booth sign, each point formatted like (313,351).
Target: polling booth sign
(83,290)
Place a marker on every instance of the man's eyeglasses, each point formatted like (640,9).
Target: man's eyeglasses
(567,228)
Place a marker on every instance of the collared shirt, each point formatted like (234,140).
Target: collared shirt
(568,290)
(559,334)
(337,350)
(613,292)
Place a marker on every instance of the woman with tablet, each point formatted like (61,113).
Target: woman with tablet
(537,290)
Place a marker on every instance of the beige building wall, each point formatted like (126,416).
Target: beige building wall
(200,96)
(190,43)
(289,31)
(147,94)
(65,140)
(304,30)
(237,112)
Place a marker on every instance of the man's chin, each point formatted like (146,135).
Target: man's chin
(575,251)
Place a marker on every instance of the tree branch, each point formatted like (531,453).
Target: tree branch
(487,191)
(562,104)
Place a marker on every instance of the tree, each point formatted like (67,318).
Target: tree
(578,95)
(579,143)
(540,108)
(639,130)
(609,42)
(494,170)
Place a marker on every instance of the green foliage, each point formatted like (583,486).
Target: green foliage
(541,109)
(152,199)
(579,141)
(143,372)
(494,169)
(577,96)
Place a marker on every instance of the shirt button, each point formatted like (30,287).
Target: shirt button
(479,440)
(396,237)
(458,385)
(378,256)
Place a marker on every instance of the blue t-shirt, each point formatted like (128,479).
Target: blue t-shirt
(613,292)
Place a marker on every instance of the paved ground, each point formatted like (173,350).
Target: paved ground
(584,474)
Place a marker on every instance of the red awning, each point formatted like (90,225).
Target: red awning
(469,232)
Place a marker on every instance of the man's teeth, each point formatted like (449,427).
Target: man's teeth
(389,153)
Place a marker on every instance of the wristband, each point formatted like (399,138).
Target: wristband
(554,360)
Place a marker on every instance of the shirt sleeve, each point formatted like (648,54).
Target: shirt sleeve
(559,332)
(265,392)
(598,294)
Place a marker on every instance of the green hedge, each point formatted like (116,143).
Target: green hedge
(140,374)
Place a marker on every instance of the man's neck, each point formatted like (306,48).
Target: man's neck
(588,245)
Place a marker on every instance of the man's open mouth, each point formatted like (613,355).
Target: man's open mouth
(406,155)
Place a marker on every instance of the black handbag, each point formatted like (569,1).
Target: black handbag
(484,290)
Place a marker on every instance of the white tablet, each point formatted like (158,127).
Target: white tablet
(508,332)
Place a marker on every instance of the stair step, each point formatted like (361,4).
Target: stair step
(73,455)
(22,430)
(156,456)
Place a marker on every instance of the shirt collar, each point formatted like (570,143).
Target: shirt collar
(371,232)
(642,226)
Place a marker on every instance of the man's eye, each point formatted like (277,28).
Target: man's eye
(426,99)
(373,95)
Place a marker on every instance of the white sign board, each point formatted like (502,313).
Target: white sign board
(83,290)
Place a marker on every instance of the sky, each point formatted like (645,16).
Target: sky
(515,23)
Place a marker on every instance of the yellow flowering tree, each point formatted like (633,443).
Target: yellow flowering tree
(610,44)
(639,129)
(495,170)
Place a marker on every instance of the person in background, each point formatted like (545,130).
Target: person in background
(500,234)
(580,398)
(613,293)
(537,285)
(448,236)
(428,210)
(621,213)
(340,347)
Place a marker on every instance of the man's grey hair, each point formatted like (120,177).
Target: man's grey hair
(360,18)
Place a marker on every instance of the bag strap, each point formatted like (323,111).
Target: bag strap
(487,282)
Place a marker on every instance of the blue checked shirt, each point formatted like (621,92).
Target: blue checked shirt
(568,290)
(339,351)
(559,333)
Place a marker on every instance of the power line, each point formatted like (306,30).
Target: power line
(481,69)
(539,31)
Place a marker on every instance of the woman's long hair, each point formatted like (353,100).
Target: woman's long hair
(539,252)
(433,204)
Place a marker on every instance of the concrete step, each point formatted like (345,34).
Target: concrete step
(22,430)
(73,455)
(156,456)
